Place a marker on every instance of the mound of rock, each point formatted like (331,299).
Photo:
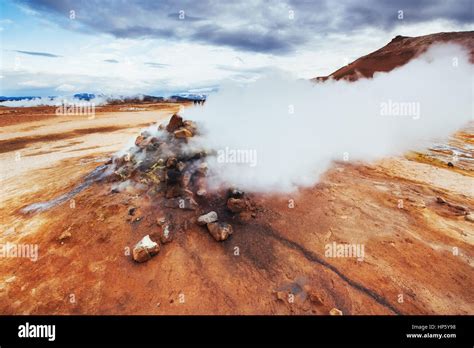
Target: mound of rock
(174,176)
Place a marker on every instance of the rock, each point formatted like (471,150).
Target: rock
(139,141)
(166,236)
(171,162)
(180,166)
(469,217)
(236,205)
(450,164)
(191,126)
(335,311)
(183,133)
(219,230)
(175,123)
(65,235)
(440,200)
(145,249)
(235,193)
(207,218)
(132,210)
(202,169)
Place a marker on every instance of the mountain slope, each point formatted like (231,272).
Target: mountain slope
(398,52)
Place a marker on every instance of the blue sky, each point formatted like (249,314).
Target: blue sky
(162,47)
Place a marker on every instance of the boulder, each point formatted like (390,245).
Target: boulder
(207,218)
(171,162)
(191,126)
(175,123)
(183,133)
(235,193)
(145,249)
(236,205)
(139,141)
(219,230)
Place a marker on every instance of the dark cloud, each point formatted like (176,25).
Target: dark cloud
(251,25)
(111,60)
(41,54)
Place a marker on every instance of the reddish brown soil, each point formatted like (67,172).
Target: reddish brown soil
(408,252)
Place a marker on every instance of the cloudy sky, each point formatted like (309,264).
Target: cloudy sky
(60,47)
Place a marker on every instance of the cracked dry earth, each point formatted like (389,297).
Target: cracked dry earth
(407,212)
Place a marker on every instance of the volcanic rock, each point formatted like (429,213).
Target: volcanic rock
(145,249)
(191,126)
(235,193)
(65,235)
(183,133)
(207,218)
(236,205)
(175,123)
(139,141)
(171,162)
(469,217)
(219,230)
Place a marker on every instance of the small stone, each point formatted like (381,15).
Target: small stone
(139,141)
(469,217)
(166,235)
(236,205)
(235,193)
(65,235)
(219,230)
(183,133)
(145,249)
(335,311)
(207,218)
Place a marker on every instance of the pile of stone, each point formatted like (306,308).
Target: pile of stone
(162,164)
(219,230)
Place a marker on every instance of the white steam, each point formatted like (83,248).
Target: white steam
(280,133)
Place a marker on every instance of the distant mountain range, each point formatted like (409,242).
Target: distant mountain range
(181,97)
